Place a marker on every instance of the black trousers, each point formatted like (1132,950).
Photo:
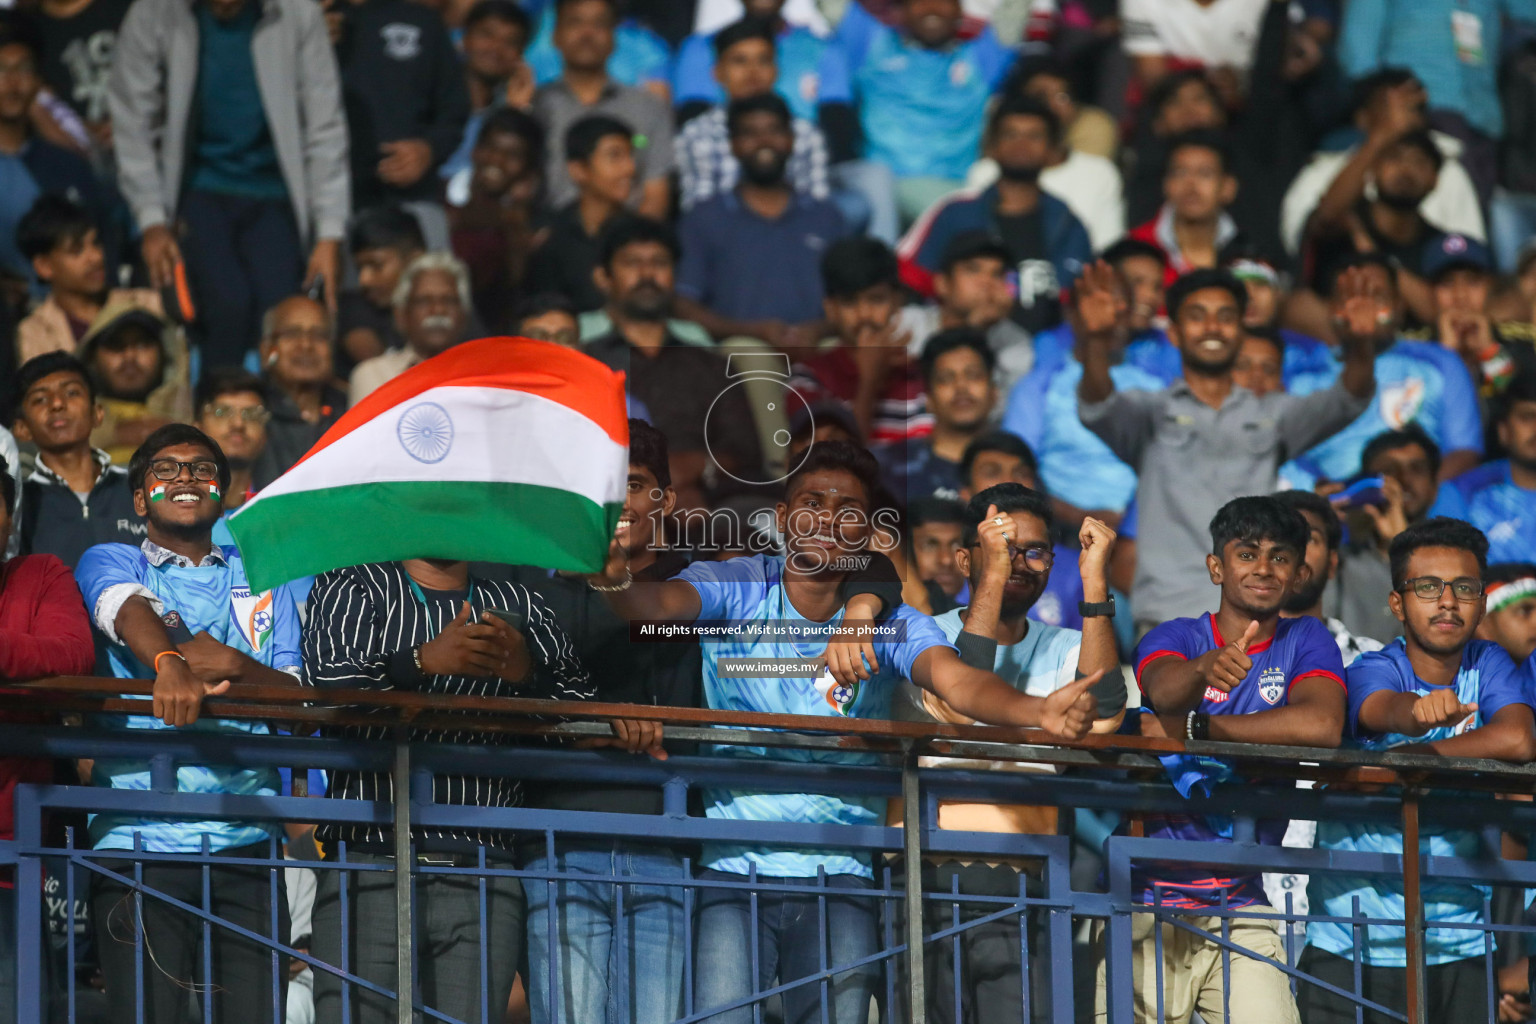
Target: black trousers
(241,986)
(990,976)
(243,257)
(1457,992)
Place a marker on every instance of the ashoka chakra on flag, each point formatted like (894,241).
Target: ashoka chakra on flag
(499,450)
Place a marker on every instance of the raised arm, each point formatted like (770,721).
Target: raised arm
(666,600)
(1099,654)
(982,696)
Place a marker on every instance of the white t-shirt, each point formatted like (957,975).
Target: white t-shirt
(1223,32)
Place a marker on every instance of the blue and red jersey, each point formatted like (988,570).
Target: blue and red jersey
(1301,648)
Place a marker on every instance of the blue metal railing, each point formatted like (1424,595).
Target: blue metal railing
(1124,778)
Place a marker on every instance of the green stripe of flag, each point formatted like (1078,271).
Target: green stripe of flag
(285,536)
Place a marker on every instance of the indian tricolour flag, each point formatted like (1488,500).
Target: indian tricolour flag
(500,450)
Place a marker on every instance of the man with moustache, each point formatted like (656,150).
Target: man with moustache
(1203,440)
(432,310)
(1434,690)
(297,362)
(763,222)
(1047,245)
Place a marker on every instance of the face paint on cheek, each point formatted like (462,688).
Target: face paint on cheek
(157,492)
(213,491)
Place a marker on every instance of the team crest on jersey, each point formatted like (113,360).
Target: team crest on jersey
(839,696)
(401,41)
(1400,403)
(1216,696)
(253,616)
(1272,685)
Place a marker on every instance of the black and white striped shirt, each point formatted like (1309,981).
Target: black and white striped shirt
(364,621)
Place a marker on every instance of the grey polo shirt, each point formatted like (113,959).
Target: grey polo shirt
(1191,460)
(557,108)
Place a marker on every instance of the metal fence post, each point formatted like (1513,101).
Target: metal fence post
(405,994)
(912,848)
(1413,909)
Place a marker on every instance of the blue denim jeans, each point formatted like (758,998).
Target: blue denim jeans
(789,941)
(619,963)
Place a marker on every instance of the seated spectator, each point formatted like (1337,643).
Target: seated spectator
(177,477)
(621,671)
(1193,227)
(818,423)
(958,367)
(1047,245)
(761,222)
(1180,103)
(138,364)
(547,317)
(75,497)
(1084,128)
(836,479)
(1408,463)
(921,93)
(810,72)
(1308,363)
(495,75)
(1499,497)
(640,58)
(1260,362)
(32,165)
(707,165)
(1244,674)
(491,230)
(1324,535)
(1194,421)
(600,159)
(383,242)
(432,311)
(1417,382)
(240,181)
(1388,104)
(1510,620)
(1089,183)
(1006,555)
(1348,223)
(936,531)
(999,457)
(232,411)
(406,107)
(870,369)
(1460,273)
(678,383)
(60,240)
(44,631)
(1083,476)
(297,367)
(1448,694)
(584,35)
(973,291)
(421,625)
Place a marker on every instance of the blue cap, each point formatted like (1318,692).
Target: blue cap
(1454,252)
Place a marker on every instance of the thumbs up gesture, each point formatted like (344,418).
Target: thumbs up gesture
(1069,711)
(1440,708)
(1231,664)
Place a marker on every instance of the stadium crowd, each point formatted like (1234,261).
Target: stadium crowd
(1192,335)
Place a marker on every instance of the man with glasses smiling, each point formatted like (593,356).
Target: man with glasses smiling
(178,609)
(1434,690)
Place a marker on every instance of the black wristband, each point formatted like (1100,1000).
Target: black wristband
(1093,609)
(400,667)
(977,651)
(1200,726)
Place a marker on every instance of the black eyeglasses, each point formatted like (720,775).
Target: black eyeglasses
(202,470)
(1430,588)
(1037,557)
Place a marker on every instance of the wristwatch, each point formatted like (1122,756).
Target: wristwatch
(1094,609)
